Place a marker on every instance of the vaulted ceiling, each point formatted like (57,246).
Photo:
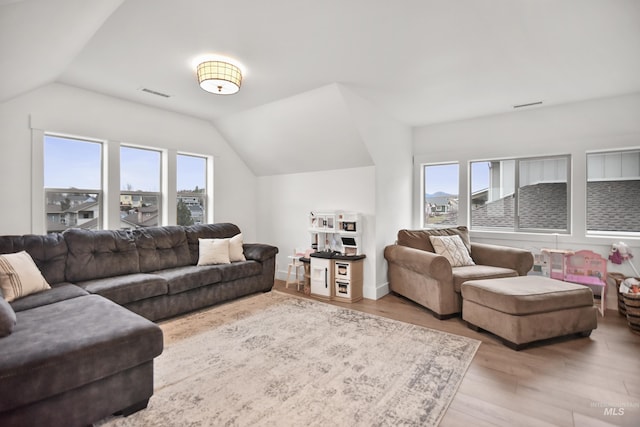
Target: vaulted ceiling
(419,61)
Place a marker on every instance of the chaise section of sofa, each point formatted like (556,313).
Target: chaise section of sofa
(75,361)
(83,349)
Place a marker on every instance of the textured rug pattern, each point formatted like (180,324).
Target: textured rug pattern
(274,360)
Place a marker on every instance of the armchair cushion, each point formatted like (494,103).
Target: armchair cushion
(419,239)
(479,272)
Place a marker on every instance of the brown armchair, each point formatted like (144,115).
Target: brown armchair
(418,273)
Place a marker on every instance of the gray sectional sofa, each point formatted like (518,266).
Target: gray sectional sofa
(84,349)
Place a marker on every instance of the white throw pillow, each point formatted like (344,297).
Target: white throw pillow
(236,253)
(453,249)
(213,251)
(19,276)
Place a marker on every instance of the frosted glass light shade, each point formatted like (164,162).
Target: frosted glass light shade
(219,77)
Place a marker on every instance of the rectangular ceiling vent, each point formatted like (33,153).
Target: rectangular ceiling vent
(530,104)
(153,92)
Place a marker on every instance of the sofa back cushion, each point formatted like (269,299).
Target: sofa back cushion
(419,239)
(208,231)
(48,252)
(162,247)
(95,254)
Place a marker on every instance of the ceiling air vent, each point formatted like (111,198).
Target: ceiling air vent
(530,104)
(153,92)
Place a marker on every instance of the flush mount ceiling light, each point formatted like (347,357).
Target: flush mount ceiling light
(220,77)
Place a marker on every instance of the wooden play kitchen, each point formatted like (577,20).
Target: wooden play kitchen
(336,277)
(336,268)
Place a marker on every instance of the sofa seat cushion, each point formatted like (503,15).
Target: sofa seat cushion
(182,279)
(58,292)
(239,270)
(479,272)
(62,346)
(527,295)
(127,288)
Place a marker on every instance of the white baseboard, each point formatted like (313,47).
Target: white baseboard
(378,292)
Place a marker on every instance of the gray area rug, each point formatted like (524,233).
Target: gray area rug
(276,360)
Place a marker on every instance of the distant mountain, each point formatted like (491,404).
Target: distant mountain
(441,194)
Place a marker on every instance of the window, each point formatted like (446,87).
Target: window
(440,194)
(191,177)
(613,191)
(75,173)
(73,183)
(521,194)
(140,197)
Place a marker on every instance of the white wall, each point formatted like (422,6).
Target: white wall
(285,202)
(389,144)
(609,123)
(69,110)
(382,193)
(274,209)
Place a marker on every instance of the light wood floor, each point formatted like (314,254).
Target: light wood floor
(565,382)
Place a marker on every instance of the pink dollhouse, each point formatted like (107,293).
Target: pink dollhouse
(582,267)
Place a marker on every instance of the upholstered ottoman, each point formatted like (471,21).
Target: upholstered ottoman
(524,309)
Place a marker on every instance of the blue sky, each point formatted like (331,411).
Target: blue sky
(69,163)
(445,177)
(192,172)
(73,163)
(479,176)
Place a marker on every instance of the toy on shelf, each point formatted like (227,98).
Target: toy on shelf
(620,253)
(336,231)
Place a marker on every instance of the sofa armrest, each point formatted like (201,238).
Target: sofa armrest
(419,261)
(259,251)
(502,256)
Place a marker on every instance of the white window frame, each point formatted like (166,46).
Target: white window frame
(162,177)
(423,201)
(205,195)
(516,185)
(622,177)
(40,224)
(110,181)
